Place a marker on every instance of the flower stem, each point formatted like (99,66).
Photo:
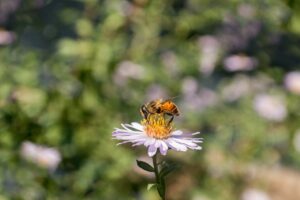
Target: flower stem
(155,168)
(159,184)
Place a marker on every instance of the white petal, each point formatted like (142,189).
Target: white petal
(157,143)
(152,150)
(129,137)
(130,127)
(185,142)
(196,140)
(127,126)
(138,143)
(187,135)
(124,142)
(174,145)
(163,148)
(128,131)
(197,148)
(177,132)
(137,126)
(149,141)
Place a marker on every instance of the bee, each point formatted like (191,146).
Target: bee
(160,106)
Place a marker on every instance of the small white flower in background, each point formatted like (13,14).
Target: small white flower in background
(209,47)
(156,133)
(169,59)
(292,82)
(246,11)
(296,141)
(196,98)
(239,63)
(270,107)
(189,86)
(127,70)
(7,37)
(45,157)
(255,194)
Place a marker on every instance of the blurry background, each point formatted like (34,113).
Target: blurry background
(72,70)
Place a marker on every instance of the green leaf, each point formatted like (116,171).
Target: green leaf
(150,185)
(145,166)
(161,187)
(163,184)
(161,190)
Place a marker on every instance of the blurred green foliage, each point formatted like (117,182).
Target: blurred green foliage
(72,70)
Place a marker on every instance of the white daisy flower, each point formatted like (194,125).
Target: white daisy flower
(156,133)
(43,156)
(292,82)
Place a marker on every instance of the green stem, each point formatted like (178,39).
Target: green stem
(154,158)
(158,183)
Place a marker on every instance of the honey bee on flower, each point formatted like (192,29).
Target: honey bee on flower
(156,132)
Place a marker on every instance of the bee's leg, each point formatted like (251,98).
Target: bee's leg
(159,110)
(171,119)
(144,111)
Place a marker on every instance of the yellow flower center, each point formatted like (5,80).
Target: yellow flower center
(157,127)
